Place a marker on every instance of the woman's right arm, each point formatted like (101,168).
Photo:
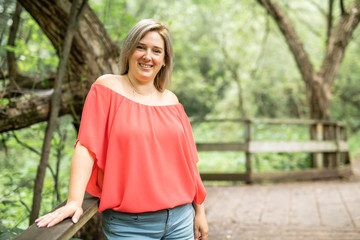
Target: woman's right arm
(80,171)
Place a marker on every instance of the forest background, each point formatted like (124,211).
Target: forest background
(231,61)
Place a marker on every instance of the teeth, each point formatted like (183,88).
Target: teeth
(145,66)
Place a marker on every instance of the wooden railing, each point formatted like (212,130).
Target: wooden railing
(65,229)
(318,147)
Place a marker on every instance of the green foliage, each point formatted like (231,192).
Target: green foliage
(18,167)
(7,234)
(115,17)
(34,52)
(214,41)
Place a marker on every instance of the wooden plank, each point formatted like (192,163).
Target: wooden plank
(222,206)
(248,163)
(277,146)
(308,174)
(222,146)
(304,207)
(224,176)
(331,207)
(269,121)
(251,204)
(277,206)
(251,218)
(318,158)
(350,195)
(292,121)
(65,229)
(292,146)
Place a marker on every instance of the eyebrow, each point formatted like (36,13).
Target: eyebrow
(140,43)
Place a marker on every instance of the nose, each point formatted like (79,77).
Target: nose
(147,56)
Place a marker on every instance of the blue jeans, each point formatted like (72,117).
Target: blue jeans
(168,224)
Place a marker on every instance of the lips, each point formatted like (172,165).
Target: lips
(145,66)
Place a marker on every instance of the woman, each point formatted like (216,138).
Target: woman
(135,149)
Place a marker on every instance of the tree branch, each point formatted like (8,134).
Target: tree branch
(23,203)
(329,20)
(342,8)
(293,41)
(26,84)
(25,145)
(34,109)
(339,39)
(75,14)
(11,42)
(4,146)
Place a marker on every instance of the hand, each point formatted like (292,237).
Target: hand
(201,228)
(71,209)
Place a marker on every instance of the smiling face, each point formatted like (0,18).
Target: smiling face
(148,58)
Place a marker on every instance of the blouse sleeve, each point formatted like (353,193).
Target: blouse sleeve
(200,189)
(93,133)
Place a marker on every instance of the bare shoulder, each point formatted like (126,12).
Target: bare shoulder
(107,79)
(114,82)
(170,97)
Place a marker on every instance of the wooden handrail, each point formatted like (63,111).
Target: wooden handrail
(277,146)
(272,121)
(317,145)
(65,229)
(308,174)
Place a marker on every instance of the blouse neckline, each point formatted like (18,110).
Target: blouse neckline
(138,103)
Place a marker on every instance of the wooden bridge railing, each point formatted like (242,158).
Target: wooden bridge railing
(318,146)
(65,229)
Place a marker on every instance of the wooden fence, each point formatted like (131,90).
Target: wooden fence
(318,146)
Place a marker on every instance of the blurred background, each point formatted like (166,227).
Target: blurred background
(231,62)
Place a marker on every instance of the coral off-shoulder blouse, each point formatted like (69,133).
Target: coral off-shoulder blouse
(145,156)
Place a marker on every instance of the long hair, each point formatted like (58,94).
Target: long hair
(136,33)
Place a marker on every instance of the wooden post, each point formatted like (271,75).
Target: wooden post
(319,157)
(248,152)
(337,139)
(345,157)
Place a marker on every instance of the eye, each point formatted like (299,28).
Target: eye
(157,51)
(140,47)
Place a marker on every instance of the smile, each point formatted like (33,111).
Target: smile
(145,66)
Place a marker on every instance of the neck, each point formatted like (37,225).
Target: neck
(139,88)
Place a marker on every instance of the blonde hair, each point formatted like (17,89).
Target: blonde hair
(136,33)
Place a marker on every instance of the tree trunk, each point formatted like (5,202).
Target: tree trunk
(92,54)
(318,84)
(24,113)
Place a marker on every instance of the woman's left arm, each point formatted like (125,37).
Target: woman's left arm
(201,228)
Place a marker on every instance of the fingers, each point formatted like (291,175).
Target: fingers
(58,215)
(46,219)
(77,215)
(56,219)
(196,232)
(204,233)
(201,228)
